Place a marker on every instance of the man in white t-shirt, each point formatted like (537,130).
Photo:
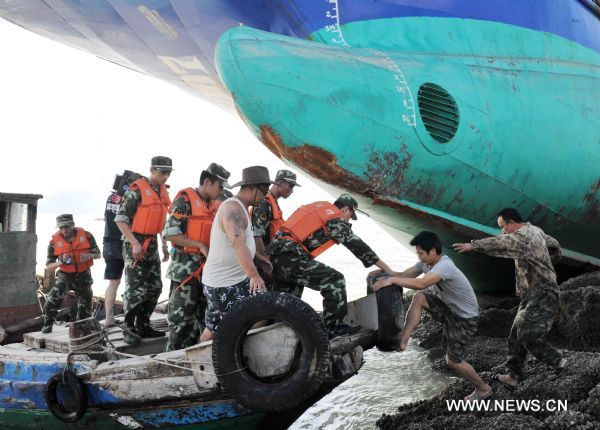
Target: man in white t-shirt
(449,299)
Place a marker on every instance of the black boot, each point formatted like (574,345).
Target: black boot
(143,328)
(47,327)
(148,332)
(130,336)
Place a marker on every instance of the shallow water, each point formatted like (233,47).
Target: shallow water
(386,380)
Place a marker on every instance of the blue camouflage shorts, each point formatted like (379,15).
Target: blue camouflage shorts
(221,299)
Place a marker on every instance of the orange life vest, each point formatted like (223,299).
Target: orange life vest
(201,220)
(277,220)
(309,219)
(151,213)
(78,246)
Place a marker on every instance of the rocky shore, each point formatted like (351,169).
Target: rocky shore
(576,331)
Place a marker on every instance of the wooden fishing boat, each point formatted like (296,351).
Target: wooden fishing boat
(246,378)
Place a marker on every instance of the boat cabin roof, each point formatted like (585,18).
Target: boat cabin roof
(20,198)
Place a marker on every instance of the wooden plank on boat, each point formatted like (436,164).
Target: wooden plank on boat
(364,338)
(143,367)
(363,312)
(148,377)
(269,351)
(200,357)
(145,347)
(38,339)
(58,340)
(153,388)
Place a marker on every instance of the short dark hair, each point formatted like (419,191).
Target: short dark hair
(510,214)
(205,175)
(341,205)
(426,240)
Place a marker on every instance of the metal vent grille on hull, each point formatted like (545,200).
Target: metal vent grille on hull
(438,112)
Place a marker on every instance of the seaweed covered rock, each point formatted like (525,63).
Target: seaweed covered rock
(495,322)
(578,387)
(576,331)
(576,326)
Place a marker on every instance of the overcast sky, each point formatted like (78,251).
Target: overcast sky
(71,121)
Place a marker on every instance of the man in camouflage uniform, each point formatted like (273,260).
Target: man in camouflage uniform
(262,217)
(294,268)
(536,286)
(142,262)
(187,303)
(80,281)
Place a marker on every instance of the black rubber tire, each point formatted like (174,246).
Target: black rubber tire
(390,311)
(307,375)
(77,391)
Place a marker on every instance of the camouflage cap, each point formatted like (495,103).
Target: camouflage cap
(224,195)
(162,163)
(64,220)
(288,176)
(349,201)
(220,172)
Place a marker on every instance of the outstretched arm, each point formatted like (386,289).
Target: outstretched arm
(412,283)
(411,272)
(505,246)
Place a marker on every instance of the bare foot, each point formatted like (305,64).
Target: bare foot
(108,322)
(403,345)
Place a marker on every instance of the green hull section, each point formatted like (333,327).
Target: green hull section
(526,122)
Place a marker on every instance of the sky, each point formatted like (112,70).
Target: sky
(70,122)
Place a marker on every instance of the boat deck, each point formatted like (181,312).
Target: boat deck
(58,339)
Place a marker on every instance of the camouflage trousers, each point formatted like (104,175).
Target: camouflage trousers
(293,272)
(187,306)
(456,331)
(529,333)
(81,284)
(143,286)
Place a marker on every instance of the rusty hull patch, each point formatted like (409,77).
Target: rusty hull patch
(385,182)
(386,170)
(316,161)
(323,165)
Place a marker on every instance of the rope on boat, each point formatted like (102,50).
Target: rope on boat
(97,339)
(166,363)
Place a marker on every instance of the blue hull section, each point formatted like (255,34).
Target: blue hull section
(23,385)
(175,40)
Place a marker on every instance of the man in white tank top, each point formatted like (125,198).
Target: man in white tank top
(229,273)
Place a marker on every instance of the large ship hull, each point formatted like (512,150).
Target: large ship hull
(434,114)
